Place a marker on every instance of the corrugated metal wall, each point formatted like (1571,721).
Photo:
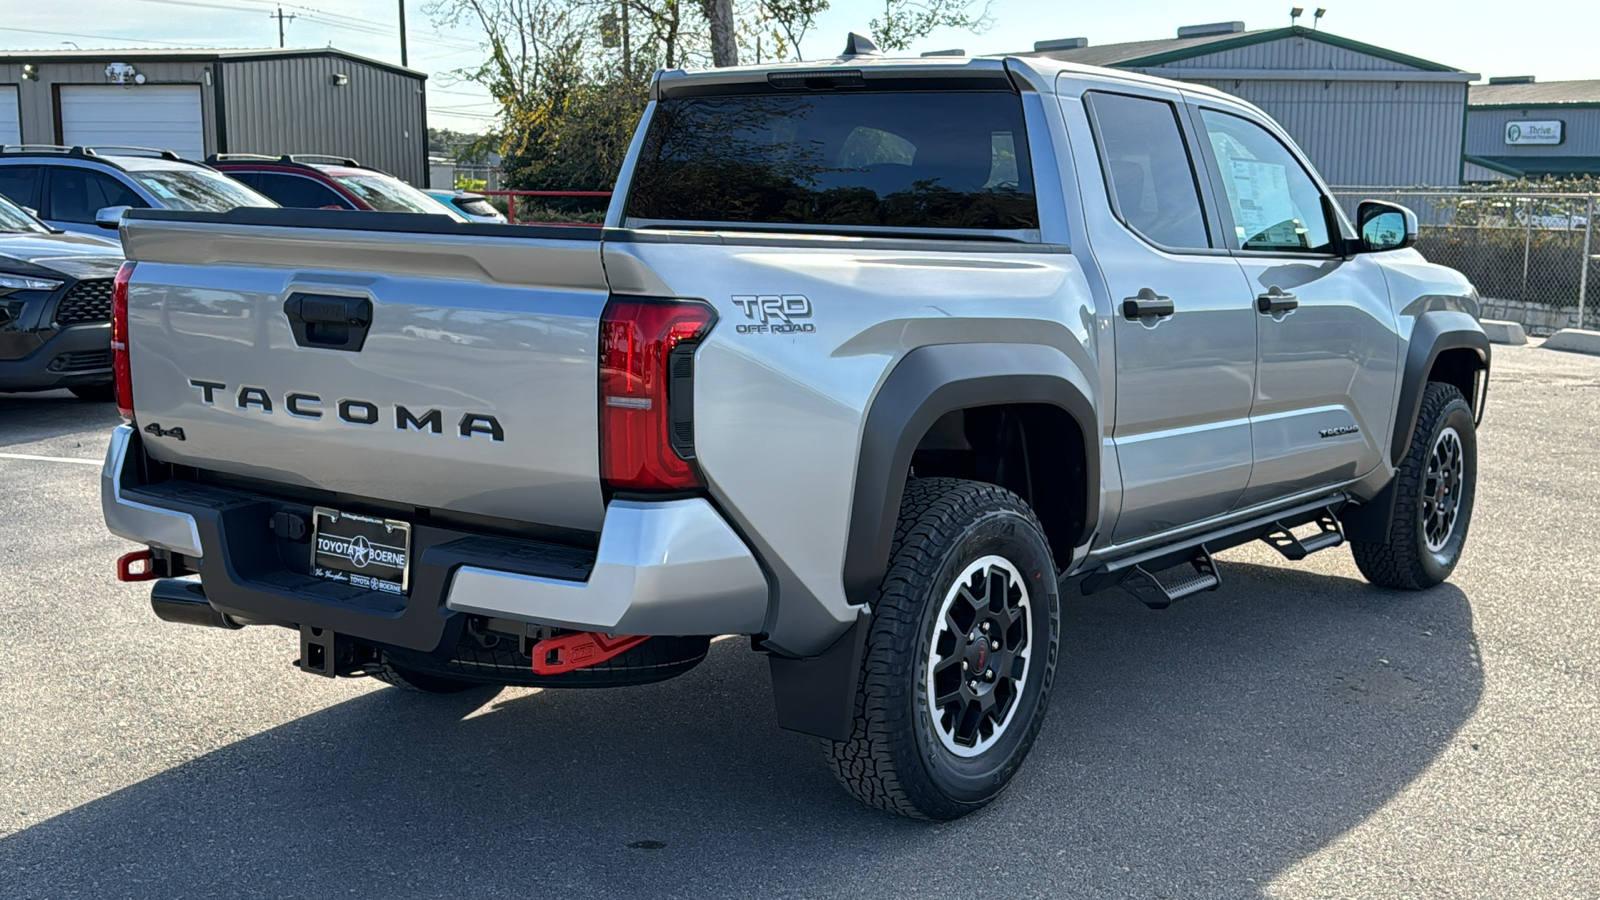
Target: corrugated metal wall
(292,105)
(1358,131)
(1290,53)
(1486,132)
(37,103)
(1368,132)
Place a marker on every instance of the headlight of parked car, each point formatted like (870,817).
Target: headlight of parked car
(10,282)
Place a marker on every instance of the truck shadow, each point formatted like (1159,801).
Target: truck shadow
(1197,752)
(25,418)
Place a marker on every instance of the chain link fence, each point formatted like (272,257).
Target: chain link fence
(1534,257)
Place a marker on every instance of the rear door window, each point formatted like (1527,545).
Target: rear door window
(907,160)
(1147,167)
(298,191)
(20,185)
(76,194)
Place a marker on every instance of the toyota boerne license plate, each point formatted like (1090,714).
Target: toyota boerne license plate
(361,551)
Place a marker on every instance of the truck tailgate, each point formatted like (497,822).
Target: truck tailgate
(472,387)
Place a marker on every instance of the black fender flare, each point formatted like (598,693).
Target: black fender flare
(927,383)
(1434,333)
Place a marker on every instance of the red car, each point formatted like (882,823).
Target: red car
(314,181)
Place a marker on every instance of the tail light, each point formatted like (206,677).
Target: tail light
(122,373)
(646,392)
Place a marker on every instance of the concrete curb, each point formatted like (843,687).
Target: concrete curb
(1502,332)
(1575,341)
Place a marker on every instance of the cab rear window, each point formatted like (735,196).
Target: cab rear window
(903,160)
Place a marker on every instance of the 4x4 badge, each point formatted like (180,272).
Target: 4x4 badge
(155,429)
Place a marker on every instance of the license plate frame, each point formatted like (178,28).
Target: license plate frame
(362,551)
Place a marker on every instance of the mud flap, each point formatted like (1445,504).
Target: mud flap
(817,695)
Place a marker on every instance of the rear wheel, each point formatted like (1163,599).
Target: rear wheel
(95,393)
(1436,486)
(960,656)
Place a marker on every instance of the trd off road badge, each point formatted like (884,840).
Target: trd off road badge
(775,313)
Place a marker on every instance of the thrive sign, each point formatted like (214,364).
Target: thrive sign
(1527,132)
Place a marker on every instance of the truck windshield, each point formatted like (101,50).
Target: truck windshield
(198,190)
(906,160)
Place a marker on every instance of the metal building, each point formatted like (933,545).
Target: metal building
(1519,127)
(198,102)
(1365,115)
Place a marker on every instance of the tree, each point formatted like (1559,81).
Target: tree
(906,21)
(724,46)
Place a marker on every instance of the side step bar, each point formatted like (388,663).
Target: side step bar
(1283,540)
(1135,573)
(1151,591)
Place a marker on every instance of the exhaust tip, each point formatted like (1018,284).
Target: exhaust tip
(184,602)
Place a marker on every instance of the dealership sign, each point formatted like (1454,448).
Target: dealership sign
(1525,132)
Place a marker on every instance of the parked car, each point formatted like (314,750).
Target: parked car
(474,206)
(315,181)
(877,363)
(55,307)
(86,189)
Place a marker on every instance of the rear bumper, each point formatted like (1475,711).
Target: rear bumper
(661,568)
(75,356)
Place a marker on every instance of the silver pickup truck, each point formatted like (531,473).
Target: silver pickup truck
(874,361)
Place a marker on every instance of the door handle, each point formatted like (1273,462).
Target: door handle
(1147,303)
(1277,300)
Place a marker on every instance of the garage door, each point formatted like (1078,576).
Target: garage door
(162,116)
(10,119)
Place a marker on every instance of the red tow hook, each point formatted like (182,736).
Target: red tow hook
(139,565)
(569,652)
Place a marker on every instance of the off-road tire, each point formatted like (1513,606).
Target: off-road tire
(496,659)
(894,759)
(1405,561)
(95,393)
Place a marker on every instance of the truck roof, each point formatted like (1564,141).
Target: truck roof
(900,72)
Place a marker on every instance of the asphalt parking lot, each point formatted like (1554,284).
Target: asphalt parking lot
(1295,734)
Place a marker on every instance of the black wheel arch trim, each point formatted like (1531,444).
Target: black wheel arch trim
(927,383)
(1434,333)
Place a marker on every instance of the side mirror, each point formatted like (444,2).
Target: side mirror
(110,216)
(1385,226)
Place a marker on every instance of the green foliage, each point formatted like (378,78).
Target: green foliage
(465,182)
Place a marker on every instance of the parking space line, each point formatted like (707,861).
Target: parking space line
(61,459)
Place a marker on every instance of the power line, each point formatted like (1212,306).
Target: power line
(102,37)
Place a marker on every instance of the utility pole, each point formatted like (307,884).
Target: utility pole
(627,46)
(280,17)
(403,60)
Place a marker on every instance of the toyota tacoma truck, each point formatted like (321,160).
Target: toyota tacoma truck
(875,361)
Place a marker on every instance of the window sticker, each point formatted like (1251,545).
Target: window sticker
(1263,209)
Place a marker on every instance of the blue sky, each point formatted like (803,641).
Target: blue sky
(1552,39)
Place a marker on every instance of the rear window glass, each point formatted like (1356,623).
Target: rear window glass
(386,194)
(907,160)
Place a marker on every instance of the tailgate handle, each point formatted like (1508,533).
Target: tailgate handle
(328,321)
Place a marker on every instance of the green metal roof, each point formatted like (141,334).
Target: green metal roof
(1521,95)
(1536,166)
(1143,54)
